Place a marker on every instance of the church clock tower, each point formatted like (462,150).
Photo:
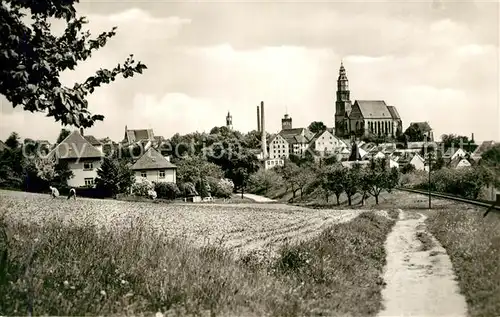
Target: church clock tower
(343,103)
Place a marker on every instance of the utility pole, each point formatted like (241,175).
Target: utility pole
(429,186)
(429,164)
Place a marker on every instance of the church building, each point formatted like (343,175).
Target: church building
(364,117)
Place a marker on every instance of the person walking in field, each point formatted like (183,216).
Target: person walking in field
(72,193)
(54,192)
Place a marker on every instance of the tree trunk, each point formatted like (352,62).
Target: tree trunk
(338,199)
(242,191)
(349,199)
(376,199)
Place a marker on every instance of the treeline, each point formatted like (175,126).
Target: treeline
(327,180)
(216,164)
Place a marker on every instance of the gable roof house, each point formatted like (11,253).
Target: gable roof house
(418,162)
(82,157)
(290,141)
(459,162)
(154,167)
(142,137)
(485,146)
(453,153)
(325,142)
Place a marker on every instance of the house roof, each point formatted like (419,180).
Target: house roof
(454,163)
(420,145)
(423,126)
(371,109)
(394,112)
(485,146)
(75,146)
(132,136)
(296,135)
(92,140)
(152,160)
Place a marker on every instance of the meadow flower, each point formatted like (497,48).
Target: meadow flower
(103,293)
(66,283)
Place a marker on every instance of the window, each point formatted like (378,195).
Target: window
(162,174)
(89,181)
(143,174)
(88,166)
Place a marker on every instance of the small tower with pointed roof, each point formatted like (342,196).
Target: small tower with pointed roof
(229,121)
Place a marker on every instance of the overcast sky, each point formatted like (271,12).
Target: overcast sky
(436,61)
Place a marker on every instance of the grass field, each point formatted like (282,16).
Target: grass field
(108,257)
(102,257)
(473,244)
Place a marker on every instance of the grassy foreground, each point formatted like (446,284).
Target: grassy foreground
(57,269)
(473,244)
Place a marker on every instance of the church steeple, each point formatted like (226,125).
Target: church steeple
(343,103)
(229,121)
(342,82)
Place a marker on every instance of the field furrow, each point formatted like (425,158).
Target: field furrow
(241,227)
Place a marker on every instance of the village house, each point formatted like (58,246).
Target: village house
(154,167)
(459,162)
(141,137)
(325,143)
(453,153)
(418,162)
(82,157)
(478,152)
(289,140)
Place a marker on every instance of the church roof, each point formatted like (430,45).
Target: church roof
(394,112)
(373,109)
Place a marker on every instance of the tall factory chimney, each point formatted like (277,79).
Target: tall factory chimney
(263,130)
(259,129)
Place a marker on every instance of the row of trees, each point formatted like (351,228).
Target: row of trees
(328,179)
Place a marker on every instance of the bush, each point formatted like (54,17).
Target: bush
(188,189)
(142,188)
(465,182)
(221,188)
(225,188)
(167,190)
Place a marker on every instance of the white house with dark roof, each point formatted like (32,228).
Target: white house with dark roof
(82,157)
(325,142)
(154,167)
(364,116)
(289,140)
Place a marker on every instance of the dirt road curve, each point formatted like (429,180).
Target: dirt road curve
(419,283)
(258,199)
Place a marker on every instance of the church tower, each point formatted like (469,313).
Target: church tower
(342,104)
(229,121)
(286,122)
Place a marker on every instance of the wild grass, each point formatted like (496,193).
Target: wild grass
(473,244)
(60,269)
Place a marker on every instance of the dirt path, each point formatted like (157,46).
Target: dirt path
(419,275)
(258,199)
